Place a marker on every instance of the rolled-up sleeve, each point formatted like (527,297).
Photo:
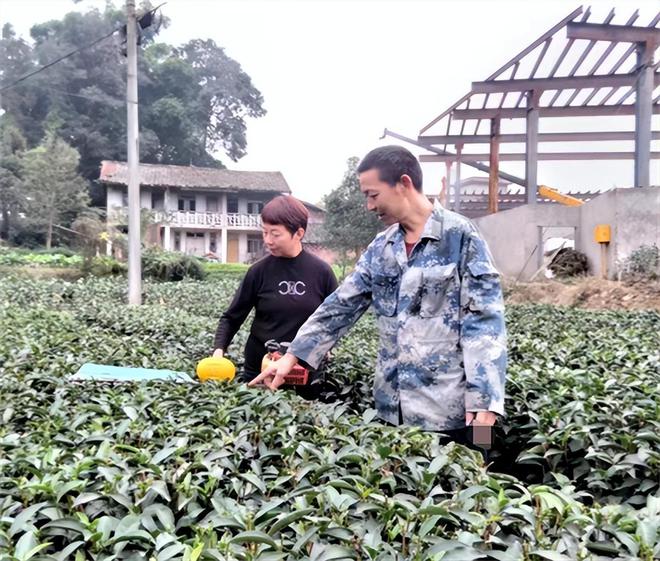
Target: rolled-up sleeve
(336,315)
(482,330)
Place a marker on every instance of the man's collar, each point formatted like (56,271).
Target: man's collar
(432,228)
(434,223)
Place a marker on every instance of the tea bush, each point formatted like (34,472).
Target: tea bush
(218,471)
(170,265)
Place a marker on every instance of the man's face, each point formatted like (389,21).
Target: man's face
(383,199)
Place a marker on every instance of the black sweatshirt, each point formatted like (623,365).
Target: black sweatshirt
(284,292)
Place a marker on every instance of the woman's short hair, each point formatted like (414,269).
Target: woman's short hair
(286,211)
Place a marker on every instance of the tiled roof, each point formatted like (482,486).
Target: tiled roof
(312,206)
(190,177)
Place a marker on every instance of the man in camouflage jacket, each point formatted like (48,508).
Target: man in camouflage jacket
(438,302)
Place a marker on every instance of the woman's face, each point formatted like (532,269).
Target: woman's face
(280,242)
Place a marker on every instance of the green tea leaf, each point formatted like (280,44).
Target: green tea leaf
(254,537)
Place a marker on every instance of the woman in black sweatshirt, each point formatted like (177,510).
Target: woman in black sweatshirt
(284,287)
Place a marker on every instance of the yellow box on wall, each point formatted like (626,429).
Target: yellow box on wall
(602,233)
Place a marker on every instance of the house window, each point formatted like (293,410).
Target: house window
(212,203)
(194,235)
(213,243)
(255,207)
(187,204)
(157,200)
(177,241)
(124,199)
(232,205)
(255,246)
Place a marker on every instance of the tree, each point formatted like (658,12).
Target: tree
(54,191)
(21,103)
(194,99)
(12,145)
(90,232)
(86,92)
(197,99)
(348,225)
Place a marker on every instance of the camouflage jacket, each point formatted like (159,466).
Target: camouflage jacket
(440,317)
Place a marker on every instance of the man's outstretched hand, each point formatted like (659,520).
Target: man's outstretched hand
(273,376)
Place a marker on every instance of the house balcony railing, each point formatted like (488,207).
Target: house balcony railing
(179,218)
(209,219)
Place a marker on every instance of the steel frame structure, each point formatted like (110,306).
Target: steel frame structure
(589,90)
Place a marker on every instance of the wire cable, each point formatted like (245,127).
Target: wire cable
(52,63)
(142,18)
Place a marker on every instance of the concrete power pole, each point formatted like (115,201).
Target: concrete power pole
(134,247)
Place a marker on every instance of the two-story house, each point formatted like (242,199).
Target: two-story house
(200,211)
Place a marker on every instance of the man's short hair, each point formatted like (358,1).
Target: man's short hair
(287,211)
(392,162)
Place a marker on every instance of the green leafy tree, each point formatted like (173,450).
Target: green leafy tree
(90,232)
(21,102)
(86,92)
(197,99)
(12,146)
(349,226)
(54,191)
(194,99)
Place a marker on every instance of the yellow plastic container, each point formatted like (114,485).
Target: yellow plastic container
(215,368)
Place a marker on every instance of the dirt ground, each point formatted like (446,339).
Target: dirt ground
(587,292)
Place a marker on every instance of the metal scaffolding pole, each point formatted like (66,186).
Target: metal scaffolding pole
(457,185)
(447,185)
(452,157)
(532,147)
(643,112)
(133,157)
(493,176)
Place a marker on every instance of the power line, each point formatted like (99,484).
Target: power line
(52,63)
(145,21)
(107,101)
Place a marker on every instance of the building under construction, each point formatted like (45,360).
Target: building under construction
(589,71)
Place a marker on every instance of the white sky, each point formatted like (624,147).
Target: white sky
(334,74)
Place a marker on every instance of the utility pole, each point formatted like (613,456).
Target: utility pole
(133,156)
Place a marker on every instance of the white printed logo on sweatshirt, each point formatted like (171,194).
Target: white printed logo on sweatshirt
(297,288)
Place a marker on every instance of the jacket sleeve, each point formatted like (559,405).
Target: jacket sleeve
(482,329)
(335,315)
(232,319)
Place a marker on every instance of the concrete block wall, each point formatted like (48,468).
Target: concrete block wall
(513,235)
(638,219)
(633,215)
(601,210)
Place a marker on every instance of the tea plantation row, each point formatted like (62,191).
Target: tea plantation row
(215,471)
